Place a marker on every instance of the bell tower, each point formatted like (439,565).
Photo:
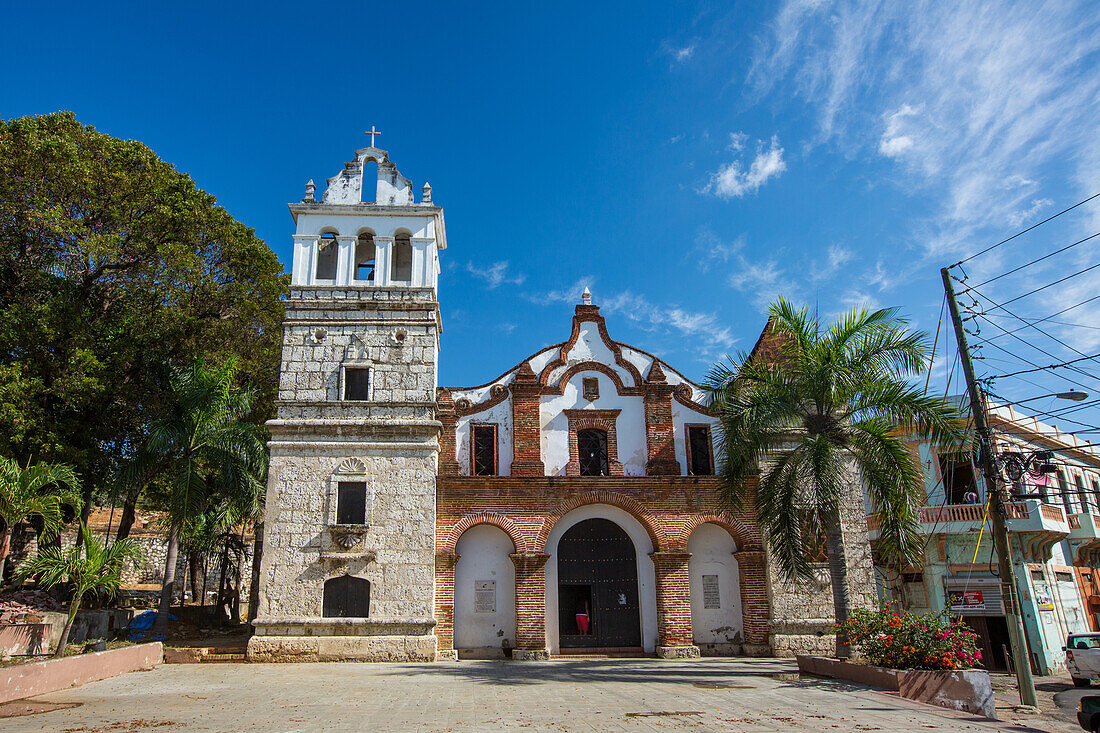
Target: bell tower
(349,546)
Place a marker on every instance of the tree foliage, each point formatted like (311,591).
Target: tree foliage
(41,490)
(112,265)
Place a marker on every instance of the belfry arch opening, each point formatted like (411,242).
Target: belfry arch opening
(401,259)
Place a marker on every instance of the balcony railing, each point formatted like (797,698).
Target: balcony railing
(976,513)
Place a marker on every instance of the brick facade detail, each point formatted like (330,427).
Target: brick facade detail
(526,424)
(659,432)
(601,420)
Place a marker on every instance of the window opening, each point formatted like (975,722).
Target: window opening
(346,597)
(958,479)
(326,257)
(364,258)
(1082,495)
(402,258)
(592,450)
(351,502)
(1069,501)
(485,450)
(701,461)
(591,388)
(357,383)
(1096,493)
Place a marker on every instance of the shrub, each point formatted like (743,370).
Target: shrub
(903,640)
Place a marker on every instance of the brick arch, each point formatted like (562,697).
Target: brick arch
(588,366)
(628,505)
(746,536)
(497,520)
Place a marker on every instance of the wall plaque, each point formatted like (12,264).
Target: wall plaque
(710,592)
(485,596)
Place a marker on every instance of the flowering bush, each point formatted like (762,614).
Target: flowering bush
(903,640)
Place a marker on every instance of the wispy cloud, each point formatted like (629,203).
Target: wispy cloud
(679,54)
(836,257)
(496,274)
(975,105)
(733,180)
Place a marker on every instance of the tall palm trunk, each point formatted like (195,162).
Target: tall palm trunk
(838,577)
(254,585)
(129,514)
(5,548)
(161,624)
(193,567)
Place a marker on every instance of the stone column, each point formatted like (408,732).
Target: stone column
(530,606)
(345,259)
(755,608)
(445,606)
(674,633)
(445,413)
(658,425)
(383,255)
(526,424)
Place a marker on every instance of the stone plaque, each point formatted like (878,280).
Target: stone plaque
(485,596)
(710,592)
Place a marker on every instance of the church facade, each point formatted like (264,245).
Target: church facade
(567,506)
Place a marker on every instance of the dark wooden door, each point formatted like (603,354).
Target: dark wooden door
(597,566)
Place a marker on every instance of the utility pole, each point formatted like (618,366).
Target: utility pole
(1018,641)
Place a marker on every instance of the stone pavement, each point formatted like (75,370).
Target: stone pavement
(602,695)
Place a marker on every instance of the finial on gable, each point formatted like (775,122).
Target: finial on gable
(311,188)
(586,296)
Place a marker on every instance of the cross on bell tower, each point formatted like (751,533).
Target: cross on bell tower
(372,132)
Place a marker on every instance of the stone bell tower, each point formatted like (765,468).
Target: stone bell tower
(349,547)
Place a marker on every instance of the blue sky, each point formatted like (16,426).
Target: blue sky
(687,161)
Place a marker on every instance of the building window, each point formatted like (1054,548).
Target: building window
(357,383)
(346,597)
(1068,499)
(351,502)
(402,259)
(592,450)
(364,258)
(1082,495)
(326,257)
(700,455)
(1096,493)
(591,387)
(483,444)
(958,479)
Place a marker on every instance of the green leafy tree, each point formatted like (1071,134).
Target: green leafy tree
(816,410)
(112,264)
(202,448)
(90,565)
(41,490)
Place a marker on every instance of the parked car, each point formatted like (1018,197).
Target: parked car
(1088,713)
(1083,658)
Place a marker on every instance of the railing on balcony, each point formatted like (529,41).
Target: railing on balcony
(977,512)
(1074,521)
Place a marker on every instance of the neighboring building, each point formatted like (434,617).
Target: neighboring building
(568,504)
(1053,525)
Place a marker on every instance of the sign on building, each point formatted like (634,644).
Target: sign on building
(485,596)
(710,592)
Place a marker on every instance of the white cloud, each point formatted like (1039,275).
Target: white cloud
(733,181)
(737,142)
(683,54)
(495,275)
(981,106)
(837,256)
(1017,218)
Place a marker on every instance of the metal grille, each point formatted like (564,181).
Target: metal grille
(484,450)
(701,463)
(592,447)
(346,597)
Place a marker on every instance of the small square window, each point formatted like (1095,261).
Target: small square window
(351,502)
(591,388)
(356,383)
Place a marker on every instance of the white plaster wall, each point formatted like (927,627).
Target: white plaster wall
(712,549)
(629,426)
(591,347)
(643,546)
(682,416)
(500,414)
(483,555)
(423,230)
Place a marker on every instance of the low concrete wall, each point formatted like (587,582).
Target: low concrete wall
(24,639)
(967,690)
(27,680)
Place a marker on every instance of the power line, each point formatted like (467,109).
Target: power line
(1018,234)
(1041,369)
(1052,315)
(1044,413)
(1044,287)
(1045,320)
(1029,264)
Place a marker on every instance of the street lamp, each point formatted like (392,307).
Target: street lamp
(1073,394)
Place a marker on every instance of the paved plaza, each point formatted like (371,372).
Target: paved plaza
(612,695)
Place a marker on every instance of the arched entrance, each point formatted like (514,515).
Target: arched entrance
(484,593)
(598,587)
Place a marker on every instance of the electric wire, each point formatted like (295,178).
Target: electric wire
(1029,264)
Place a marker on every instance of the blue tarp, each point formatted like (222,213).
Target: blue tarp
(140,625)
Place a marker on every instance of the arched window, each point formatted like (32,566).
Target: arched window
(402,260)
(592,451)
(364,258)
(326,257)
(370,181)
(346,596)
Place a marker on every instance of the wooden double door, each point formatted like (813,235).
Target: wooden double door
(598,581)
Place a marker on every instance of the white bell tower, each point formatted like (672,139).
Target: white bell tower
(349,550)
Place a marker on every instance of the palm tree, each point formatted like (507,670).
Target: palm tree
(89,566)
(40,491)
(199,445)
(827,405)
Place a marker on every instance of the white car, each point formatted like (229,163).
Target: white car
(1083,658)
